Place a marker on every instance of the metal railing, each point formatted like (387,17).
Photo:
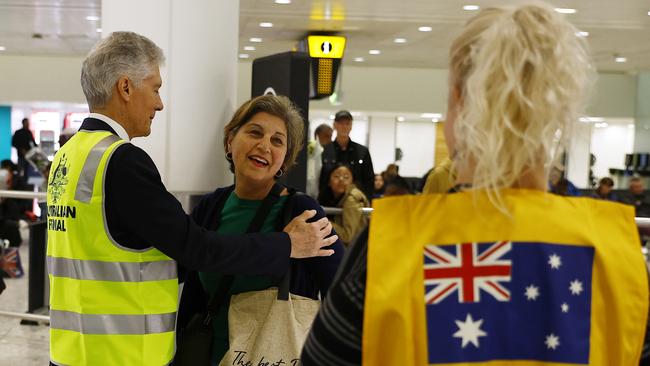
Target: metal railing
(641,222)
(26,316)
(338,211)
(24,195)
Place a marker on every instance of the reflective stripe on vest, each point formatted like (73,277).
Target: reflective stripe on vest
(111,271)
(112,324)
(84,191)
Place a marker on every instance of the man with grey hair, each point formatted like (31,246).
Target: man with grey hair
(115,232)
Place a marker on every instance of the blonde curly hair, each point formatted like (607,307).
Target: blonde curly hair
(522,74)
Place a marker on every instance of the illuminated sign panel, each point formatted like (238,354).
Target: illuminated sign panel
(326,46)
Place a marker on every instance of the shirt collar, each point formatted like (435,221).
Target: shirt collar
(121,132)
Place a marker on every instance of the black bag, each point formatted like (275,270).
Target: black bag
(194,348)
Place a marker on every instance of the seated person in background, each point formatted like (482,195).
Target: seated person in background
(392,171)
(380,186)
(559,185)
(65,135)
(636,197)
(261,144)
(500,272)
(397,186)
(13,209)
(8,223)
(342,193)
(604,190)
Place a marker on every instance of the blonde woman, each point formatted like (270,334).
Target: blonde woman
(500,270)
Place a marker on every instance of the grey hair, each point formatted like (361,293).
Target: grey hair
(120,54)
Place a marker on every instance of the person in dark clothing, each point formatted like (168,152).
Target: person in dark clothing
(604,190)
(636,197)
(379,185)
(397,187)
(343,150)
(23,141)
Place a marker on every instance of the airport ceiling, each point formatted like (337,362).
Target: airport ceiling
(616,28)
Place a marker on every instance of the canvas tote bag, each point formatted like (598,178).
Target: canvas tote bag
(268,326)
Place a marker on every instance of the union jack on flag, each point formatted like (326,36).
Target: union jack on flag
(467,269)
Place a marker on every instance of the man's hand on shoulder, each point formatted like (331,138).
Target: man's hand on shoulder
(308,239)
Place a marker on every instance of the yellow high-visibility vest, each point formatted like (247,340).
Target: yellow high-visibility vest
(109,305)
(451,280)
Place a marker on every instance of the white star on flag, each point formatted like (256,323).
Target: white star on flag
(532,292)
(565,307)
(576,287)
(552,341)
(555,261)
(469,331)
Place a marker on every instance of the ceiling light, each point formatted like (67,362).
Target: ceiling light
(582,34)
(92,18)
(425,29)
(471,7)
(266,25)
(649,13)
(620,59)
(249,48)
(244,55)
(401,119)
(283,2)
(98,30)
(431,115)
(331,116)
(435,120)
(358,59)
(255,40)
(374,52)
(565,10)
(601,125)
(2,48)
(399,40)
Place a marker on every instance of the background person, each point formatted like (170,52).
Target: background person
(23,141)
(341,192)
(345,151)
(604,190)
(323,137)
(637,197)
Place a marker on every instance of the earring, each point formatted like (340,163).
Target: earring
(279,173)
(229,156)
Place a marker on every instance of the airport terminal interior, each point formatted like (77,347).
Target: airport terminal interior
(380,65)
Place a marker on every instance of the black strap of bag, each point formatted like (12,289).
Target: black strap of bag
(220,296)
(285,281)
(194,347)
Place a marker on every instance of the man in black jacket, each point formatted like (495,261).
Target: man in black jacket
(23,141)
(344,150)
